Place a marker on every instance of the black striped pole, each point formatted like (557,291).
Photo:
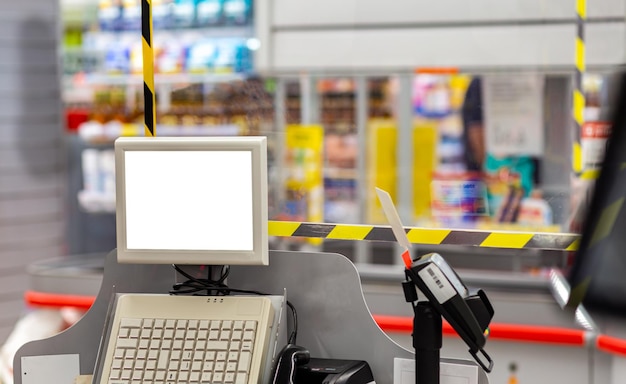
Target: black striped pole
(578,97)
(148,69)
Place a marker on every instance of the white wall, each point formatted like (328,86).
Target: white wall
(403,34)
(31,148)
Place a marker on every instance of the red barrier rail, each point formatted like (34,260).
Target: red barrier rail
(497,331)
(403,324)
(56,300)
(611,344)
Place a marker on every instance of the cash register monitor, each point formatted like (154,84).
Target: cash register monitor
(191,200)
(598,273)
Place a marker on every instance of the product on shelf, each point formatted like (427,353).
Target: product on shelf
(184,13)
(209,13)
(110,15)
(237,12)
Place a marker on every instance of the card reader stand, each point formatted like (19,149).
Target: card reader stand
(334,320)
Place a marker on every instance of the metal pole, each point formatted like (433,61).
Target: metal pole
(363,250)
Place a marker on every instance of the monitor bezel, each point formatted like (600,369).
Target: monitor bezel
(256,145)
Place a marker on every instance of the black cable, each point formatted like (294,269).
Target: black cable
(294,333)
(194,285)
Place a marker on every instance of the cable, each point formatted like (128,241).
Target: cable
(195,285)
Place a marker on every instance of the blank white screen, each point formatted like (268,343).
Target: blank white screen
(189,200)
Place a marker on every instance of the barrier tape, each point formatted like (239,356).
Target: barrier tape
(578,97)
(148,69)
(432,236)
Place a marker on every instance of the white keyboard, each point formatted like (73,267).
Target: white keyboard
(163,339)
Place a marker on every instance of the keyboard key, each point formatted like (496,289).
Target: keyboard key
(235,345)
(171,376)
(144,343)
(187,355)
(145,333)
(166,344)
(115,373)
(218,377)
(137,375)
(155,344)
(210,356)
(217,345)
(242,378)
(206,377)
(179,334)
(227,324)
(130,354)
(188,346)
(173,366)
(159,376)
(157,334)
(117,363)
(183,377)
(237,335)
(176,355)
(142,354)
(163,360)
(153,355)
(248,336)
(214,335)
(246,346)
(244,361)
(215,325)
(140,364)
(126,374)
(194,376)
(184,366)
(168,334)
(151,364)
(191,335)
(198,355)
(196,366)
(229,377)
(119,353)
(170,324)
(124,332)
(130,323)
(219,366)
(181,324)
(225,335)
(238,325)
(233,356)
(193,324)
(203,325)
(159,324)
(127,343)
(250,325)
(207,366)
(202,334)
(231,367)
(148,375)
(200,345)
(134,333)
(177,345)
(128,364)
(221,356)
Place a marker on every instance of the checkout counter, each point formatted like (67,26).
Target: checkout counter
(356,312)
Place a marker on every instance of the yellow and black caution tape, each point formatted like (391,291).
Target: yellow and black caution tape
(428,236)
(148,69)
(578,96)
